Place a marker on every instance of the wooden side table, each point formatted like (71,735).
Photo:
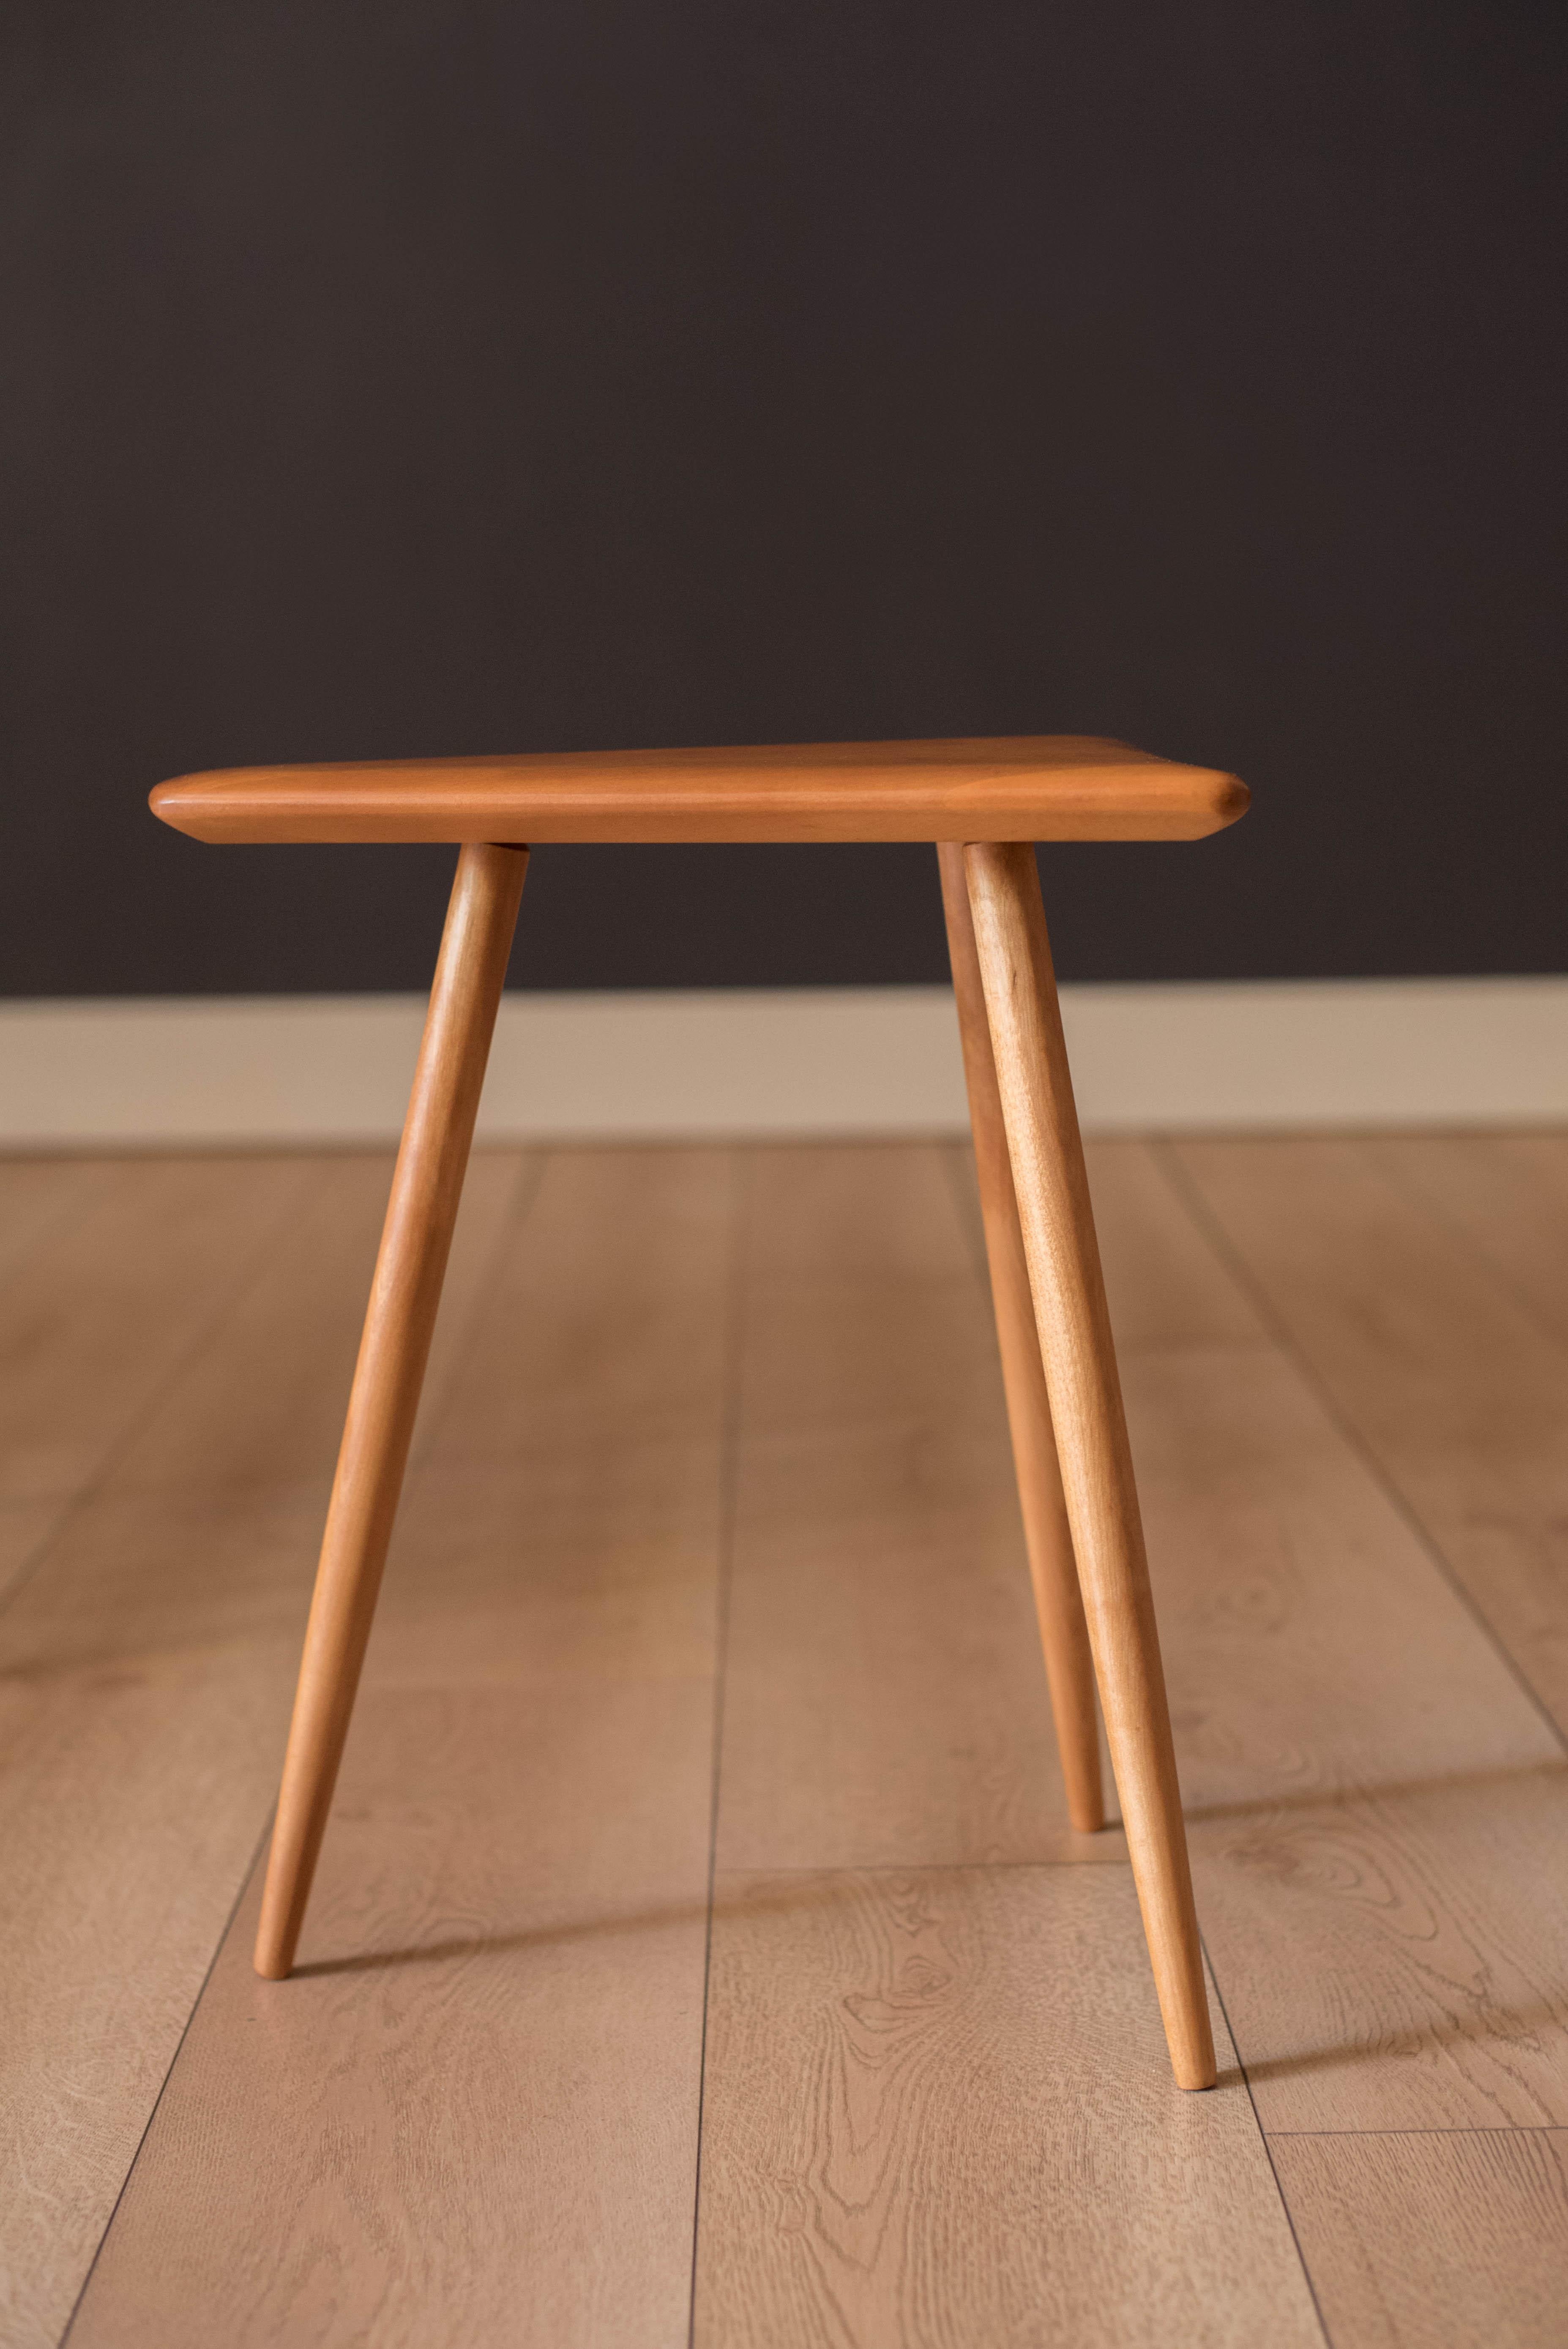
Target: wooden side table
(984,803)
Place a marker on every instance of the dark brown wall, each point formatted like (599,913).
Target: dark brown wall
(424,376)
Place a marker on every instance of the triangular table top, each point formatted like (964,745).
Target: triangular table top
(1011,787)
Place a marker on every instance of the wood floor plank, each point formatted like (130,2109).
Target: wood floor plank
(242,1416)
(1373,1801)
(601,1333)
(480,2094)
(102,1288)
(860,1294)
(1159,1270)
(40,1197)
(1443,2242)
(25,1528)
(269,1409)
(145,1672)
(872,2173)
(1508,1193)
(936,2106)
(885,1697)
(886,1700)
(619,1548)
(244,1437)
(938,2111)
(1376,1803)
(125,1827)
(82,1364)
(98,1317)
(498,1192)
(1454,1385)
(479,2109)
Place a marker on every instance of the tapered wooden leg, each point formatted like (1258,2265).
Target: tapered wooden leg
(1059,1602)
(407,1289)
(1063,1257)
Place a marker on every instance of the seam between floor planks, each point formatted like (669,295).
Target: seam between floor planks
(1273,2167)
(1515,2129)
(256,1857)
(729,1474)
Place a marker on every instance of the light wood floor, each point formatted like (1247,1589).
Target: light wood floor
(700,1945)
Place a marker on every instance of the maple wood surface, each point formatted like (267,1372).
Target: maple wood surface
(1053,1568)
(1036,787)
(421,1214)
(1056,1219)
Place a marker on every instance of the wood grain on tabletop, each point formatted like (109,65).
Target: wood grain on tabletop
(1454,1380)
(939,2109)
(1037,787)
(478,2093)
(1454,2239)
(885,1698)
(146,1665)
(1373,1802)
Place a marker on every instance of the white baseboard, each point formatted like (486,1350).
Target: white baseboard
(78,1074)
